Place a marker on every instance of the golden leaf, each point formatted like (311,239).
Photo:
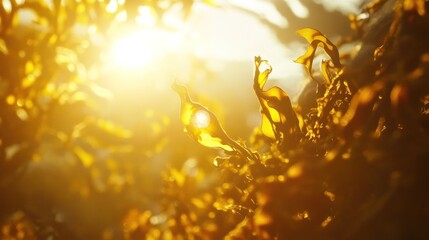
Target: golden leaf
(317,39)
(203,126)
(278,116)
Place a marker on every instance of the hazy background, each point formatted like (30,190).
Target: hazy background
(212,51)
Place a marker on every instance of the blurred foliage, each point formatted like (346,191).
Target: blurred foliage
(352,165)
(349,161)
(67,169)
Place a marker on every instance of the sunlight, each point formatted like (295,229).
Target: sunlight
(134,51)
(142,49)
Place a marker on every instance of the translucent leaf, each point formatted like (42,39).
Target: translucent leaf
(278,116)
(317,39)
(267,128)
(201,124)
(263,75)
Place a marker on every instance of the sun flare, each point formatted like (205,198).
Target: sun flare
(132,52)
(136,50)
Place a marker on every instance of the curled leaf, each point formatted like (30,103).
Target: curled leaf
(317,39)
(203,126)
(278,117)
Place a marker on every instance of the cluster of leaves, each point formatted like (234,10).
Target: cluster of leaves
(353,165)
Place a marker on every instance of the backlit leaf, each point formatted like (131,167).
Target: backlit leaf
(317,39)
(278,117)
(203,126)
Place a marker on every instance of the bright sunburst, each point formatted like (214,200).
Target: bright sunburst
(133,51)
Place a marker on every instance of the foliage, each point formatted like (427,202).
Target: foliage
(350,164)
(354,166)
